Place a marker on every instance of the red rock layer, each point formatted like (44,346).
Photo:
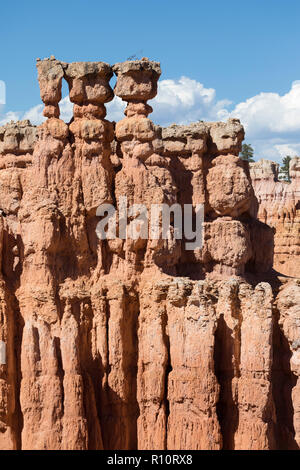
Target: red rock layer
(279,207)
(137,343)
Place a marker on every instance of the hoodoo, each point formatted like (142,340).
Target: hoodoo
(143,343)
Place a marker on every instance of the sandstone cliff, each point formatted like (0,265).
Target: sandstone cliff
(279,207)
(137,343)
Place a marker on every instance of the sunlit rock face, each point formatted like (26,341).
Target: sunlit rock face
(139,343)
(279,207)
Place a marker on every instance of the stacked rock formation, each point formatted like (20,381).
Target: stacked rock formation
(133,342)
(279,207)
(16,144)
(207,170)
(145,176)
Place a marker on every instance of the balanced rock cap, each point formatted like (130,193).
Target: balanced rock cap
(175,131)
(81,69)
(143,65)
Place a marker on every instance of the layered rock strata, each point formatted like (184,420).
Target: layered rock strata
(279,207)
(136,342)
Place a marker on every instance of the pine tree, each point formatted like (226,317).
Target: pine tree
(285,168)
(247,153)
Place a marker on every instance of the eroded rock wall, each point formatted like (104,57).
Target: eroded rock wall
(136,343)
(279,207)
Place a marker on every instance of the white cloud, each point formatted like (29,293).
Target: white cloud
(35,114)
(270,112)
(66,109)
(2,92)
(272,121)
(185,100)
(115,109)
(291,149)
(10,116)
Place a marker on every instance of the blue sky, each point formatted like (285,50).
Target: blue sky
(236,50)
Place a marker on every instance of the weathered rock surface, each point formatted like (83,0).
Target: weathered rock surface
(288,305)
(137,343)
(279,207)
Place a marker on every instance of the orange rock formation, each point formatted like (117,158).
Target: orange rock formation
(279,207)
(136,343)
